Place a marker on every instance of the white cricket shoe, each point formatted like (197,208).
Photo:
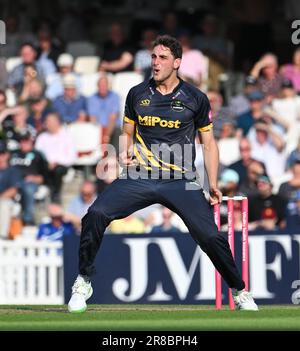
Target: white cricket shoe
(243,300)
(81,291)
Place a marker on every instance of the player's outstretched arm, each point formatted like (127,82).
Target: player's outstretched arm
(211,161)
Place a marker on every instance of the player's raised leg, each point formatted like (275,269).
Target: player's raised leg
(197,214)
(119,200)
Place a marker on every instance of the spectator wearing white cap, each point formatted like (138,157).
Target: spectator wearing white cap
(70,106)
(55,81)
(228,183)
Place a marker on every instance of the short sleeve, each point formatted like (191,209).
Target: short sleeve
(203,119)
(129,114)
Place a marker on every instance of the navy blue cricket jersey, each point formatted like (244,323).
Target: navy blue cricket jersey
(166,126)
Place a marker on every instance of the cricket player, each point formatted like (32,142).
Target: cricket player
(162,117)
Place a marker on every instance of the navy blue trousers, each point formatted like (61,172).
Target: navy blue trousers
(125,196)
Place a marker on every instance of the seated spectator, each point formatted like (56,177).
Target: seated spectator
(31,87)
(266,210)
(240,166)
(293,215)
(246,120)
(13,37)
(15,124)
(149,216)
(240,103)
(55,81)
(269,79)
(70,106)
(117,52)
(33,170)
(57,227)
(217,48)
(212,44)
(47,51)
(166,226)
(103,109)
(254,169)
(288,189)
(192,67)
(80,204)
(28,55)
(228,143)
(9,183)
(291,71)
(142,59)
(219,113)
(294,156)
(40,107)
(170,25)
(72,25)
(285,110)
(153,216)
(268,147)
(128,225)
(57,145)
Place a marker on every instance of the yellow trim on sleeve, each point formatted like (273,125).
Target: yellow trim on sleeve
(128,120)
(206,128)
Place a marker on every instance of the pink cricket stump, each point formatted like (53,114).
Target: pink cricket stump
(230,222)
(218,278)
(245,245)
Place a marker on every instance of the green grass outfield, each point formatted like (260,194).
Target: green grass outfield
(147,317)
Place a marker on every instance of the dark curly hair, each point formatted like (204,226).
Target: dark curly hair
(171,43)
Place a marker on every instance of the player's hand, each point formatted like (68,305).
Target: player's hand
(215,196)
(126,159)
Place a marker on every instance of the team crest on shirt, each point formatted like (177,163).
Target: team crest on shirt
(145,102)
(177,106)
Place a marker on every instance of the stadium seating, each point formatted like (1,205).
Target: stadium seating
(86,64)
(87,140)
(123,82)
(89,84)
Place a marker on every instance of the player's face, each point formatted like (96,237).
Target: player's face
(164,65)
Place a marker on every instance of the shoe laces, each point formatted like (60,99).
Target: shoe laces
(80,286)
(245,296)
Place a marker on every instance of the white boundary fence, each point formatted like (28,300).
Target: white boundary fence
(31,272)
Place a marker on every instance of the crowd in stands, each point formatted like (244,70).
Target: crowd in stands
(43,99)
